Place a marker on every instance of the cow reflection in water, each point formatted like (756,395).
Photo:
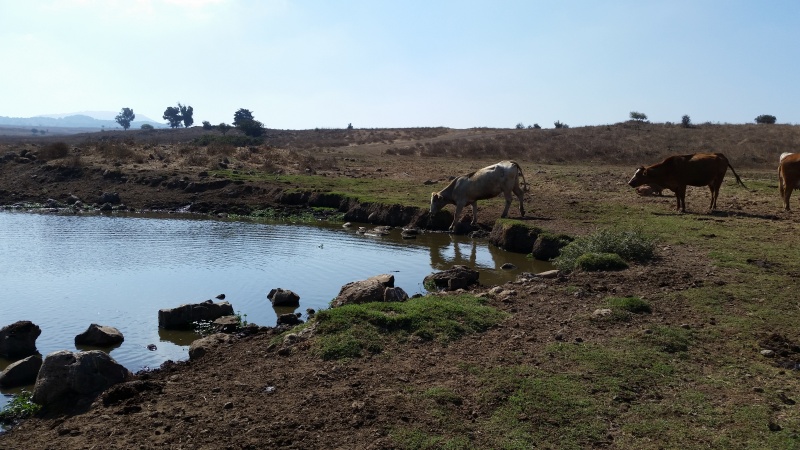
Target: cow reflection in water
(464,253)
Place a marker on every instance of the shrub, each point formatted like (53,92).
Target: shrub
(633,305)
(146,126)
(595,262)
(766,118)
(55,150)
(558,124)
(630,245)
(686,121)
(207,125)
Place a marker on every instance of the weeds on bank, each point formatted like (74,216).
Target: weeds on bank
(350,330)
(628,245)
(20,407)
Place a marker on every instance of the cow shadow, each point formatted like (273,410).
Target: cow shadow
(710,215)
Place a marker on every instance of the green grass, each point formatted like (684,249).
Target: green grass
(628,244)
(349,331)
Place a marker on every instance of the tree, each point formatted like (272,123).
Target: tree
(243,119)
(349,126)
(146,126)
(637,116)
(223,127)
(766,118)
(186,114)
(241,116)
(558,124)
(125,117)
(207,125)
(686,121)
(173,116)
(520,126)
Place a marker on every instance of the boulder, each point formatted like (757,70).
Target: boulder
(548,246)
(99,336)
(289,319)
(183,316)
(364,291)
(66,376)
(226,324)
(18,340)
(283,297)
(513,236)
(109,197)
(201,346)
(457,277)
(21,372)
(394,294)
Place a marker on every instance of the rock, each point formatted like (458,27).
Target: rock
(548,274)
(201,346)
(602,312)
(365,291)
(768,353)
(514,236)
(548,246)
(18,340)
(184,315)
(508,266)
(394,294)
(457,277)
(106,207)
(289,319)
(66,376)
(221,297)
(21,372)
(283,297)
(225,324)
(99,336)
(109,197)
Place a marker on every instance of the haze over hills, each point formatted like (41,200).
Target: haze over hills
(83,119)
(99,115)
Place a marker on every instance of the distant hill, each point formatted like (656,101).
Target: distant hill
(77,120)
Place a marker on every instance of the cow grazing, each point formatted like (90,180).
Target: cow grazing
(486,183)
(678,171)
(788,176)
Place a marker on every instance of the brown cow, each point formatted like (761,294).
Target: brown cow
(488,182)
(677,172)
(788,176)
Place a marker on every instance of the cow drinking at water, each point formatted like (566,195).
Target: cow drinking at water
(486,183)
(677,172)
(788,176)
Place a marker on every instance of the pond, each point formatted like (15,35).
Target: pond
(65,272)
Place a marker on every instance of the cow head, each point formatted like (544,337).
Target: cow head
(437,202)
(639,177)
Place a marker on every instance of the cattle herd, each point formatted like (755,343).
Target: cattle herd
(674,173)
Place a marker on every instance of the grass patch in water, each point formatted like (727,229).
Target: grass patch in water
(348,331)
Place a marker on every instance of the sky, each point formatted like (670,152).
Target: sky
(301,64)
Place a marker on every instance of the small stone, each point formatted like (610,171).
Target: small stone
(228,405)
(685,326)
(508,266)
(767,353)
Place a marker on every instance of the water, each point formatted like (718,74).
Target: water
(64,272)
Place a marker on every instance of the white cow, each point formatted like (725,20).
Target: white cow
(488,182)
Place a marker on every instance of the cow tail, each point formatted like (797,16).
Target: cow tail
(738,180)
(524,183)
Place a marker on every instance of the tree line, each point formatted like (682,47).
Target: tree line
(183,115)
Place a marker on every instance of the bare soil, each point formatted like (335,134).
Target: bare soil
(247,395)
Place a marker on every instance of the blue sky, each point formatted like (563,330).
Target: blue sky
(378,63)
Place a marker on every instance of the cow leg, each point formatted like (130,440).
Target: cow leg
(459,207)
(787,195)
(475,212)
(518,192)
(714,194)
(680,196)
(507,195)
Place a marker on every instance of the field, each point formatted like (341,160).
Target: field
(681,360)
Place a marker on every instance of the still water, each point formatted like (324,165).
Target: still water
(65,272)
